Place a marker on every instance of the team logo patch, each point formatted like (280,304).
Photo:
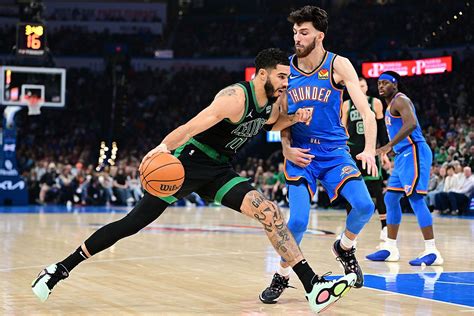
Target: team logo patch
(407,188)
(323,74)
(347,170)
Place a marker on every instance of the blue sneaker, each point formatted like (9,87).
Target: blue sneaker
(428,258)
(386,253)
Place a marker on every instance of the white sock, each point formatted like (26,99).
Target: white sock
(346,243)
(284,271)
(430,244)
(391,243)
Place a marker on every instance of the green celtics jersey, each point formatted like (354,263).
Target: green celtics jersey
(227,137)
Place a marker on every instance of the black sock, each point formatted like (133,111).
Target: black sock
(384,223)
(305,273)
(74,259)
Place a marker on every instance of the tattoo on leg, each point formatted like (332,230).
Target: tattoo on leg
(270,216)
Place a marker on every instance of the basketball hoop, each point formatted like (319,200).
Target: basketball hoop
(34,104)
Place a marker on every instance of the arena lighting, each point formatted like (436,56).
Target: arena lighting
(414,67)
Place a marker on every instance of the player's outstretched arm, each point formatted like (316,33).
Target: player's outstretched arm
(345,71)
(229,103)
(403,107)
(280,119)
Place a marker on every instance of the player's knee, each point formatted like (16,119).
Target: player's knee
(363,205)
(263,210)
(391,198)
(297,224)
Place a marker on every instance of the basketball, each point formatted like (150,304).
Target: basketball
(162,175)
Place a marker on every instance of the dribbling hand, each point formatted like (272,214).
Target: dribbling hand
(162,148)
(368,163)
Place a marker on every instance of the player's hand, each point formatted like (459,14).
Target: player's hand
(386,163)
(162,148)
(368,163)
(303,115)
(298,156)
(384,150)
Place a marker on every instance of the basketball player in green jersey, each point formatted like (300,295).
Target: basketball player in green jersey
(354,125)
(205,145)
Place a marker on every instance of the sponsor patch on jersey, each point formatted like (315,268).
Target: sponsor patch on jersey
(323,74)
(347,170)
(268,109)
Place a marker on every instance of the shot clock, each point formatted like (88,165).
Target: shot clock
(31,39)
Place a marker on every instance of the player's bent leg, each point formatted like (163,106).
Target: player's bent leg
(146,211)
(268,214)
(389,251)
(430,256)
(356,193)
(321,293)
(300,203)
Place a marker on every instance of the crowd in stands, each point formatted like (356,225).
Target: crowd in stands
(242,31)
(59,159)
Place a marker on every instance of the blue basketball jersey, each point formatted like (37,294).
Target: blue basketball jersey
(394,124)
(316,90)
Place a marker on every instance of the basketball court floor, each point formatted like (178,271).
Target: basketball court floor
(215,261)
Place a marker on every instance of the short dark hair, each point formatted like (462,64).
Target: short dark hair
(313,14)
(270,58)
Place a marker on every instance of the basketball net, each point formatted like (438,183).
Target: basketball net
(34,104)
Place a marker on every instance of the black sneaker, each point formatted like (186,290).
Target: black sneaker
(47,279)
(272,293)
(349,262)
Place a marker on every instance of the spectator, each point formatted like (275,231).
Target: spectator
(459,198)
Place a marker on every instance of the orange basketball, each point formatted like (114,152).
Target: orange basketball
(162,175)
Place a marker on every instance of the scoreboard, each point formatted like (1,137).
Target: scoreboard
(31,39)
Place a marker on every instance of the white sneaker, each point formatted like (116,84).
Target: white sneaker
(47,279)
(430,257)
(327,292)
(386,253)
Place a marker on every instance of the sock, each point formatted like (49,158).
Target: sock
(430,244)
(305,274)
(383,222)
(346,243)
(284,271)
(74,259)
(391,243)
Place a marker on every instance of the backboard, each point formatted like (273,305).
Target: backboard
(49,84)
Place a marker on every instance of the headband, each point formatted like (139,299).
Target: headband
(388,77)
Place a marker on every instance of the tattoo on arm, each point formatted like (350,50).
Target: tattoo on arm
(227,92)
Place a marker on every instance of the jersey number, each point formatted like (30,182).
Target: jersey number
(236,143)
(360,128)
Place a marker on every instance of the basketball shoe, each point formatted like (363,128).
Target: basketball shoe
(349,262)
(387,252)
(47,279)
(327,292)
(430,257)
(272,293)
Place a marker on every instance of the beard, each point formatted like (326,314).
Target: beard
(270,91)
(306,51)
